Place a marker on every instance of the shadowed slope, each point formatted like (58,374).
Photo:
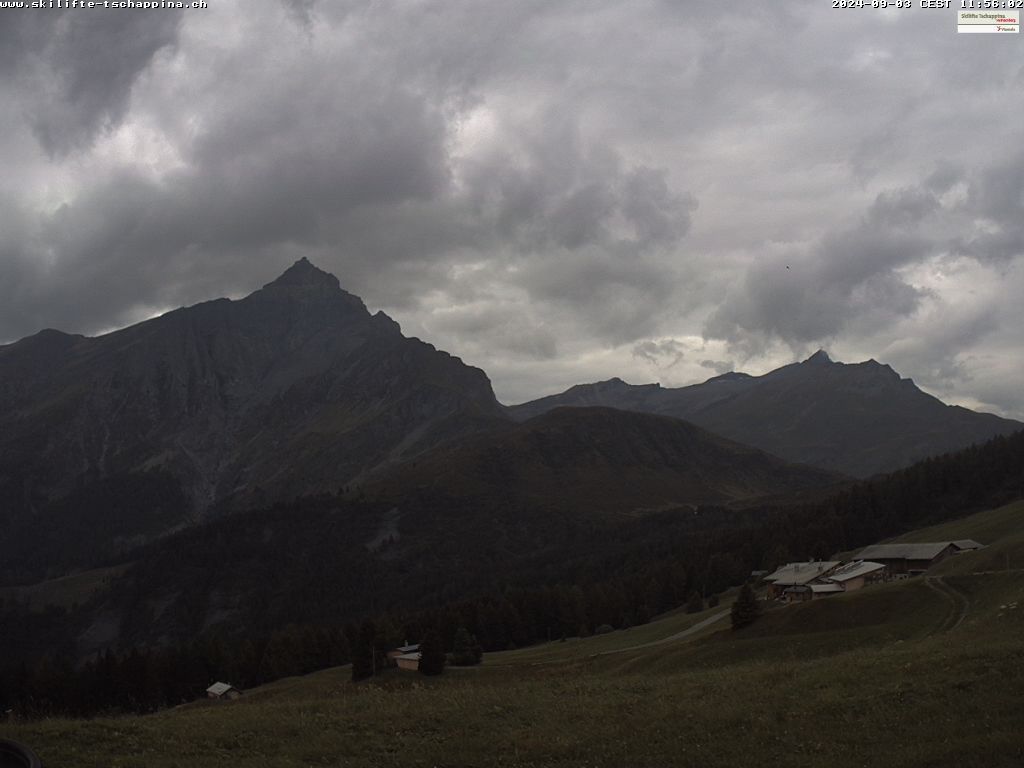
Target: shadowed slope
(295,389)
(603,460)
(857,419)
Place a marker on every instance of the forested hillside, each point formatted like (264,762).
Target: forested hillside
(280,614)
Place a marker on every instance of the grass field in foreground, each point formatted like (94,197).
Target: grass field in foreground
(917,673)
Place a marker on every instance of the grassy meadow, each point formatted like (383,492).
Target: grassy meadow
(985,527)
(66,591)
(925,672)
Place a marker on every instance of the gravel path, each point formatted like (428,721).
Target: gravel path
(671,638)
(959,603)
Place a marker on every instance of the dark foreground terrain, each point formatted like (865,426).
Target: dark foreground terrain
(900,674)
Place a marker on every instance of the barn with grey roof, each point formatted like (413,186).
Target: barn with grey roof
(912,558)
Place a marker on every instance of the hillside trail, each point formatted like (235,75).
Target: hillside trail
(671,638)
(960,604)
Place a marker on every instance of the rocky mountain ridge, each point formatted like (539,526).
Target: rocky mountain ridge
(294,389)
(857,419)
(297,390)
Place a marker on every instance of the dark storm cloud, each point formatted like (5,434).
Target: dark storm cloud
(666,353)
(935,355)
(588,233)
(805,297)
(902,207)
(898,277)
(21,35)
(275,169)
(18,273)
(856,275)
(357,173)
(546,186)
(519,182)
(135,241)
(508,325)
(77,67)
(301,10)
(77,260)
(718,366)
(996,201)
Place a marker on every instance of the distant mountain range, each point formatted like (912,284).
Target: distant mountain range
(297,390)
(857,419)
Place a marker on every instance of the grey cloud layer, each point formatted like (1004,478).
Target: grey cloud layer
(586,187)
(76,69)
(855,275)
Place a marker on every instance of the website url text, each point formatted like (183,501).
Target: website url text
(45,4)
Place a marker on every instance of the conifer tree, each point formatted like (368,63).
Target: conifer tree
(466,650)
(746,609)
(431,654)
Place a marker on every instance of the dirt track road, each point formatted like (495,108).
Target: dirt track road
(671,638)
(960,605)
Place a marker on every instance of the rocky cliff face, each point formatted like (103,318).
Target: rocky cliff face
(857,419)
(295,389)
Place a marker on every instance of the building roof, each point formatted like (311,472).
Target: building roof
(854,570)
(408,648)
(800,573)
(927,551)
(219,689)
(967,544)
(409,657)
(825,588)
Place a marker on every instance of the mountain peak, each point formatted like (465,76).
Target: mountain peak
(730,376)
(303,274)
(819,358)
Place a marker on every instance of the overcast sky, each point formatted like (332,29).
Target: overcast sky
(557,192)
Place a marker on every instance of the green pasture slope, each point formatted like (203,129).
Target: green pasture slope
(66,591)
(985,527)
(926,672)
